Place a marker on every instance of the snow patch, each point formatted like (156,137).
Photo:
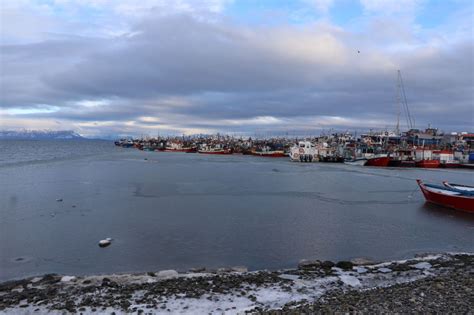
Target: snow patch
(350,280)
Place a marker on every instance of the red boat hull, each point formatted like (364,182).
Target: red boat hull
(379,161)
(270,154)
(226,152)
(428,164)
(457,202)
(179,150)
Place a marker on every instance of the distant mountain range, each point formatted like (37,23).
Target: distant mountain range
(39,135)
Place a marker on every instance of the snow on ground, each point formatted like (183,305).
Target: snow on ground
(296,288)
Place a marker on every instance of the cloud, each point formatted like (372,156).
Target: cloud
(180,72)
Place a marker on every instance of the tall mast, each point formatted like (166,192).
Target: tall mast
(404,100)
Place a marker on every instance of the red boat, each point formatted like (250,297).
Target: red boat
(381,161)
(270,153)
(216,151)
(450,164)
(428,163)
(447,197)
(187,150)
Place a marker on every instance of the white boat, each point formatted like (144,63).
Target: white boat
(304,151)
(359,161)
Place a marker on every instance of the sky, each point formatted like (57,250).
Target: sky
(161,67)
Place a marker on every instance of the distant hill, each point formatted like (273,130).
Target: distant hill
(39,135)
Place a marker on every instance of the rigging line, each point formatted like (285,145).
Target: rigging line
(406,102)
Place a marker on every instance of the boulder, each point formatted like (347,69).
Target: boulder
(167,274)
(307,264)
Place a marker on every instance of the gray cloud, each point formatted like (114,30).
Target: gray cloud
(192,73)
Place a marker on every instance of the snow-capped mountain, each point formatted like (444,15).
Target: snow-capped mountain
(39,135)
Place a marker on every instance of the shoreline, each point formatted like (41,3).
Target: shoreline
(436,282)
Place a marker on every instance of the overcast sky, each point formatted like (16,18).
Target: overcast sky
(110,67)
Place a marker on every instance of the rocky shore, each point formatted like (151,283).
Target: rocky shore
(441,283)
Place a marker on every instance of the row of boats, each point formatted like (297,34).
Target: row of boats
(308,152)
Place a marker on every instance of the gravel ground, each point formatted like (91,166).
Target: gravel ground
(430,284)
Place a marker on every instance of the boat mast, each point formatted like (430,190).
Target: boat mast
(401,93)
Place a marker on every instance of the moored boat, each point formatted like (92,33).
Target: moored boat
(304,151)
(450,164)
(270,153)
(427,163)
(379,161)
(218,150)
(447,197)
(359,162)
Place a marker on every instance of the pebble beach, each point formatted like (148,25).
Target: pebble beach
(434,283)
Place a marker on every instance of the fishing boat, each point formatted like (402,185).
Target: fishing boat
(268,152)
(427,163)
(178,147)
(381,160)
(304,151)
(447,197)
(450,164)
(357,162)
(218,150)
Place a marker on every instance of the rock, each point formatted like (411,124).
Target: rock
(422,265)
(239,269)
(306,264)
(67,278)
(327,264)
(346,265)
(167,274)
(360,261)
(104,243)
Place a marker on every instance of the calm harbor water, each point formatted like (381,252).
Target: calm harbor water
(177,210)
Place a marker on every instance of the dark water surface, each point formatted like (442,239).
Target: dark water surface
(178,210)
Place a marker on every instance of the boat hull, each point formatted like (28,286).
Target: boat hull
(273,154)
(427,164)
(190,150)
(378,161)
(458,202)
(223,152)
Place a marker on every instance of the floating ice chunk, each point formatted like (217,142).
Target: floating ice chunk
(167,274)
(422,265)
(384,270)
(350,280)
(67,278)
(104,243)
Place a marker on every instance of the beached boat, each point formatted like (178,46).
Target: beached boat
(304,151)
(447,197)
